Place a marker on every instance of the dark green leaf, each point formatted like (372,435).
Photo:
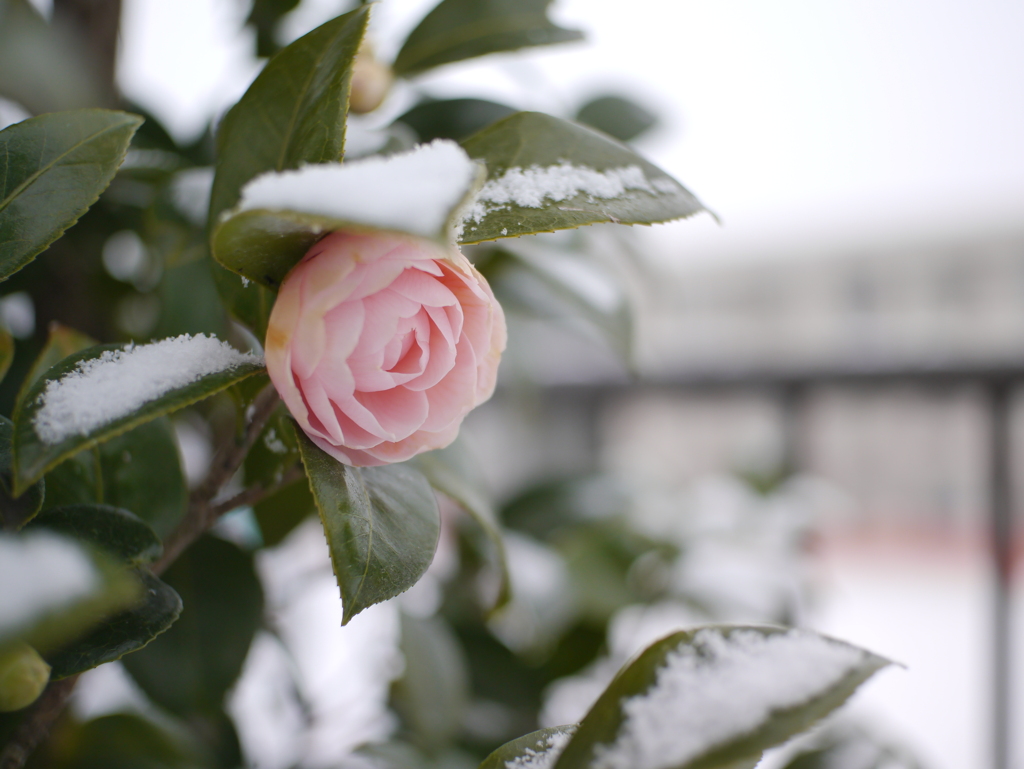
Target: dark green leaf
(431,695)
(531,139)
(249,302)
(142,473)
(53,167)
(123,633)
(15,512)
(293,113)
(462,29)
(275,451)
(6,351)
(138,471)
(452,472)
(706,660)
(381,523)
(452,118)
(617,116)
(526,750)
(191,667)
(189,300)
(117,532)
(118,741)
(34,457)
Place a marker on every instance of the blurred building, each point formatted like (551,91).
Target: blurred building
(908,453)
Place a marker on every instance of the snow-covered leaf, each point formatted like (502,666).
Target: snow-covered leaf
(122,633)
(716,697)
(462,29)
(106,390)
(382,525)
(55,588)
(545,173)
(536,750)
(280,215)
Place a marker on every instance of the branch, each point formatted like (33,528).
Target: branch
(201,513)
(254,494)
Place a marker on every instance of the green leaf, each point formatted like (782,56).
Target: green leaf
(249,302)
(732,693)
(382,525)
(275,451)
(6,352)
(15,511)
(53,167)
(462,29)
(191,667)
(452,472)
(452,118)
(141,472)
(526,750)
(118,741)
(526,140)
(123,633)
(293,113)
(616,116)
(432,694)
(34,457)
(138,471)
(117,532)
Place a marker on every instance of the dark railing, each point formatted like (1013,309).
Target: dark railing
(791,388)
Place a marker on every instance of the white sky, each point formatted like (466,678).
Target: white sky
(798,121)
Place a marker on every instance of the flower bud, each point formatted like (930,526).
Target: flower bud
(380,344)
(371,81)
(23,676)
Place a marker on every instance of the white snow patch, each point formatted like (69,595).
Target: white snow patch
(547,752)
(719,688)
(412,192)
(530,187)
(41,572)
(104,389)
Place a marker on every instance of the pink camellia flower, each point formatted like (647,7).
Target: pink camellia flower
(380,344)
